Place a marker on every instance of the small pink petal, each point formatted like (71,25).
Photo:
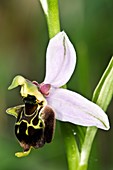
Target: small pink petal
(44,88)
(72,107)
(60,60)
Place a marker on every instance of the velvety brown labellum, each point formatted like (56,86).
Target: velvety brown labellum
(35,123)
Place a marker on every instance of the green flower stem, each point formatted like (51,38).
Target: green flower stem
(70,145)
(51,12)
(50,8)
(86,148)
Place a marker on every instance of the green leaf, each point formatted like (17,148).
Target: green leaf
(104,90)
(101,96)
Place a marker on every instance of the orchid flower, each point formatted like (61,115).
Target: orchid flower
(45,102)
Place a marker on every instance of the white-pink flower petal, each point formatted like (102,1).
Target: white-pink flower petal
(60,60)
(72,107)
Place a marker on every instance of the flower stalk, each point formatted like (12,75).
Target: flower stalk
(51,12)
(72,151)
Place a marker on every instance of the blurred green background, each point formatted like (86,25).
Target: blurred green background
(23,42)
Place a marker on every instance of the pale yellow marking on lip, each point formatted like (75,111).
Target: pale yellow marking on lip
(22,154)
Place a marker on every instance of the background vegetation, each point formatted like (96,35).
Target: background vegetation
(23,42)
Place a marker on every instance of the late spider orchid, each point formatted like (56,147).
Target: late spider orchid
(46,101)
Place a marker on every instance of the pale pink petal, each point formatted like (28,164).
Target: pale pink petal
(72,107)
(60,60)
